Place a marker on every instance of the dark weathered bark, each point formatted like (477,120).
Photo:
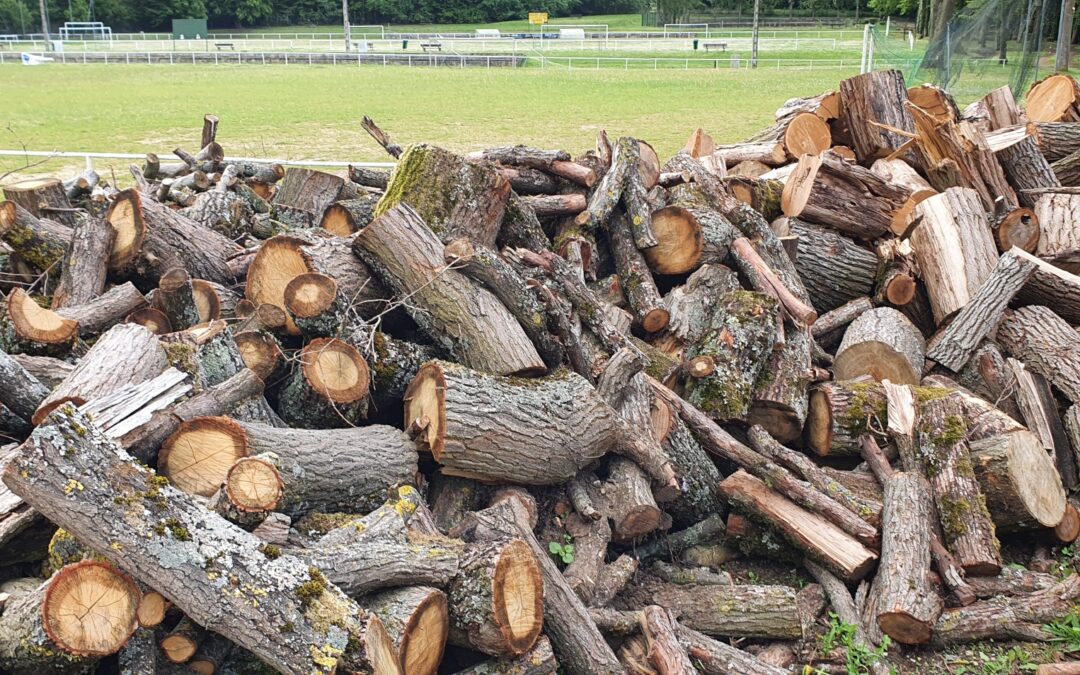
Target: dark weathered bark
(665,653)
(1046,344)
(521,228)
(876,97)
(304,195)
(376,178)
(1053,287)
(460,317)
(39,241)
(114,506)
(781,393)
(105,310)
(540,660)
(1059,242)
(609,190)
(1027,613)
(1026,168)
(20,391)
(85,264)
(827,328)
(834,269)
(634,275)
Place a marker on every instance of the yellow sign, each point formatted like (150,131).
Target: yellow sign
(538,17)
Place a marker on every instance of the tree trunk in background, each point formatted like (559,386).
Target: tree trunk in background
(1064,35)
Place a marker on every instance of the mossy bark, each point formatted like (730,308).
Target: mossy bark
(39,241)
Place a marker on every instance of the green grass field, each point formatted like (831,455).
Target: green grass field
(313,112)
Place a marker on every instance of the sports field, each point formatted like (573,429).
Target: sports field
(313,112)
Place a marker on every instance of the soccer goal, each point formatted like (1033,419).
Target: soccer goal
(85,30)
(684,29)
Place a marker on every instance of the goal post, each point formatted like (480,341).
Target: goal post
(685,28)
(587,28)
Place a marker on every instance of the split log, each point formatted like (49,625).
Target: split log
(1054,99)
(848,198)
(955,344)
(740,337)
(152,239)
(83,612)
(85,263)
(111,509)
(957,154)
(1059,243)
(304,194)
(907,606)
(577,642)
(834,269)
(665,653)
(539,432)
(882,344)
(965,520)
(461,318)
(126,354)
(285,257)
(1027,613)
(417,619)
(822,541)
(454,197)
(874,104)
(1026,168)
(486,267)
(310,470)
(954,247)
(328,388)
(899,172)
(1046,344)
(999,108)
(39,241)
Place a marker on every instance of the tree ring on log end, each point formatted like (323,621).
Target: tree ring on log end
(1050,99)
(425,398)
(310,294)
(655,319)
(178,648)
(679,241)
(206,300)
(1020,228)
(904,628)
(424,638)
(901,290)
(338,220)
(1017,463)
(153,320)
(877,360)
(1068,528)
(379,649)
(335,370)
(807,134)
(90,609)
(258,351)
(272,317)
(254,484)
(197,458)
(278,262)
(37,324)
(518,596)
(152,608)
(125,218)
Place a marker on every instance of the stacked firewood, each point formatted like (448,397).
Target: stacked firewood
(516,410)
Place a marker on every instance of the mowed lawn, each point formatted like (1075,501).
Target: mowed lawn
(313,112)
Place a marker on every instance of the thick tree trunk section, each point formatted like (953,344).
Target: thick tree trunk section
(882,344)
(1055,98)
(42,197)
(875,97)
(1026,168)
(456,198)
(1046,344)
(85,264)
(125,355)
(907,605)
(1060,241)
(39,241)
(822,541)
(841,412)
(114,506)
(1027,613)
(152,239)
(304,195)
(461,318)
(328,388)
(954,345)
(825,189)
(961,506)
(955,249)
(1057,140)
(1019,480)
(834,269)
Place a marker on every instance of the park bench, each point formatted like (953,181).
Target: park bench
(709,46)
(426,46)
(225,45)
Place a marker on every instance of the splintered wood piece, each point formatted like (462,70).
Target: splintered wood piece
(936,101)
(883,344)
(198,456)
(417,619)
(33,322)
(1054,99)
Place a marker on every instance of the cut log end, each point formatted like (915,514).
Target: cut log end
(425,407)
(90,609)
(178,648)
(338,220)
(1019,228)
(424,638)
(1018,459)
(254,484)
(876,359)
(125,218)
(518,596)
(379,649)
(1068,529)
(799,185)
(336,370)
(259,351)
(807,134)
(197,458)
(819,423)
(277,263)
(901,290)
(655,320)
(680,241)
(905,628)
(153,320)
(37,324)
(310,295)
(207,300)
(152,608)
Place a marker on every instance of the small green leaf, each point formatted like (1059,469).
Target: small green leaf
(555,547)
(567,557)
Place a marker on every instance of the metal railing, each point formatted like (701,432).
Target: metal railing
(443,60)
(89,158)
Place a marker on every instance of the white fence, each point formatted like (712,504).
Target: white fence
(89,158)
(271,58)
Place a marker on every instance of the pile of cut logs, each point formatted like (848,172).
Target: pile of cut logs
(516,411)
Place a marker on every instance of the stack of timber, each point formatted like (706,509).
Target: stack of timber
(521,411)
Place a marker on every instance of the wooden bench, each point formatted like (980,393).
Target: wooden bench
(431,45)
(722,46)
(222,45)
